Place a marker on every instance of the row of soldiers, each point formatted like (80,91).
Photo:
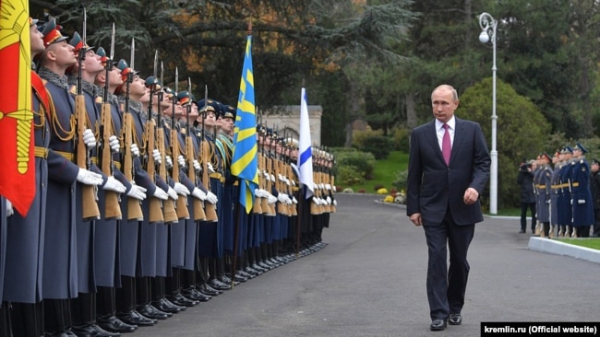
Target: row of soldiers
(564,203)
(136,214)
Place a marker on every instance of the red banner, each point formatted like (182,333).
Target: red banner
(17,162)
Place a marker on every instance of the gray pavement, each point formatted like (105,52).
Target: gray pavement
(370,281)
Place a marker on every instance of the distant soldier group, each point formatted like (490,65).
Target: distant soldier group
(137,214)
(562,186)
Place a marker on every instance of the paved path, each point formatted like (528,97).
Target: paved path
(370,281)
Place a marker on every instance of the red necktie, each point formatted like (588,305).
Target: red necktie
(446,145)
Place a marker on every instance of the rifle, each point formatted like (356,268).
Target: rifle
(209,208)
(182,202)
(281,207)
(197,205)
(262,206)
(134,209)
(112,208)
(289,174)
(156,205)
(88,193)
(169,204)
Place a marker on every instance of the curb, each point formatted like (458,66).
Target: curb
(545,245)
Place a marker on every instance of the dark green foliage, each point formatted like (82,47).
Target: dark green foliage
(362,162)
(523,132)
(400,182)
(379,146)
(349,176)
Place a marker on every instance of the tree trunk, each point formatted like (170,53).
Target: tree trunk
(411,114)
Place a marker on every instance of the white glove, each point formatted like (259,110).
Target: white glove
(294,200)
(197,166)
(169,161)
(115,145)
(271,199)
(160,194)
(328,187)
(210,168)
(211,197)
(181,161)
(282,197)
(293,183)
(113,184)
(267,176)
(89,139)
(88,177)
(288,200)
(137,192)
(199,194)
(315,187)
(272,178)
(581,201)
(321,186)
(335,203)
(287,181)
(328,201)
(280,177)
(135,150)
(9,208)
(172,194)
(317,201)
(259,193)
(157,157)
(181,189)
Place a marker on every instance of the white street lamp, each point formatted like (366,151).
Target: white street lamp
(488,33)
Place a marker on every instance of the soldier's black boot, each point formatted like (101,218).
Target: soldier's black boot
(173,290)
(159,299)
(126,304)
(83,314)
(27,319)
(106,309)
(5,329)
(188,286)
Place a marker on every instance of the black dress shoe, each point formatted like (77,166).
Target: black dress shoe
(135,318)
(218,285)
(208,291)
(438,325)
(112,323)
(153,313)
(195,295)
(521,231)
(182,301)
(455,319)
(103,333)
(167,306)
(211,289)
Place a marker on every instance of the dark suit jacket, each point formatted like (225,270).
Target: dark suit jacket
(434,186)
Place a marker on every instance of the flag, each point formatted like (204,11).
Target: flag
(244,162)
(17,181)
(305,165)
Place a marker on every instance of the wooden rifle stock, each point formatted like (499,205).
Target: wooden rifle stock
(155,204)
(209,208)
(182,201)
(261,207)
(290,174)
(281,207)
(134,209)
(269,167)
(112,208)
(197,204)
(88,192)
(168,205)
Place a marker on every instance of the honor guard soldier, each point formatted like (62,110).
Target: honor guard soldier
(544,193)
(130,245)
(555,187)
(60,277)
(581,194)
(25,233)
(564,200)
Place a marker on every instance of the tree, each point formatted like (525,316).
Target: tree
(523,131)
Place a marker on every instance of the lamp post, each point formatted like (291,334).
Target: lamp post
(488,33)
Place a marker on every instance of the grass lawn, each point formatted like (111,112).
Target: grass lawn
(385,172)
(593,243)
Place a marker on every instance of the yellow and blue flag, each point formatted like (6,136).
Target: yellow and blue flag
(244,162)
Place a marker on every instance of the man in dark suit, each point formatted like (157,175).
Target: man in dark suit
(449,165)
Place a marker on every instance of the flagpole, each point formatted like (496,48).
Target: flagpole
(237,215)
